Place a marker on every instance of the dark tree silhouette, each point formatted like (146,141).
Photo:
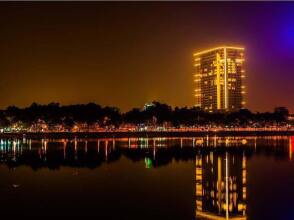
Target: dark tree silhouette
(155,114)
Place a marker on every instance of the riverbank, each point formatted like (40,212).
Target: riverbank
(126,134)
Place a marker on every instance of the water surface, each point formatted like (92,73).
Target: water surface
(158,178)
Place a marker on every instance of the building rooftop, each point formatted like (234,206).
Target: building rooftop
(217,48)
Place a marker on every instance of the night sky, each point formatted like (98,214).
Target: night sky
(126,54)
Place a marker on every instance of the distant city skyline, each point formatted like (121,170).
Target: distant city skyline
(126,54)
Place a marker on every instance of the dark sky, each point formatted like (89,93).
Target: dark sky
(126,54)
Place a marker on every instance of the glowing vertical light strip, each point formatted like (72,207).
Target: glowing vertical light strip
(181,142)
(14,150)
(225,70)
(75,144)
(197,80)
(154,153)
(290,148)
(219,177)
(64,149)
(106,150)
(199,183)
(45,147)
(227,187)
(218,86)
(98,146)
(244,178)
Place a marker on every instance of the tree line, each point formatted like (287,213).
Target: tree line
(155,114)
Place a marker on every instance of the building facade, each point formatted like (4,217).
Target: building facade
(219,79)
(221,186)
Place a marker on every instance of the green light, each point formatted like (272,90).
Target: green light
(148,163)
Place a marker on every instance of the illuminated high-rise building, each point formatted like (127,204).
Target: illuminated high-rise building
(219,79)
(221,186)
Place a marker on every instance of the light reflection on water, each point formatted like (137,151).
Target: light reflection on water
(220,176)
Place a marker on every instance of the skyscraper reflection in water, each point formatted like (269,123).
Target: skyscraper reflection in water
(221,186)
